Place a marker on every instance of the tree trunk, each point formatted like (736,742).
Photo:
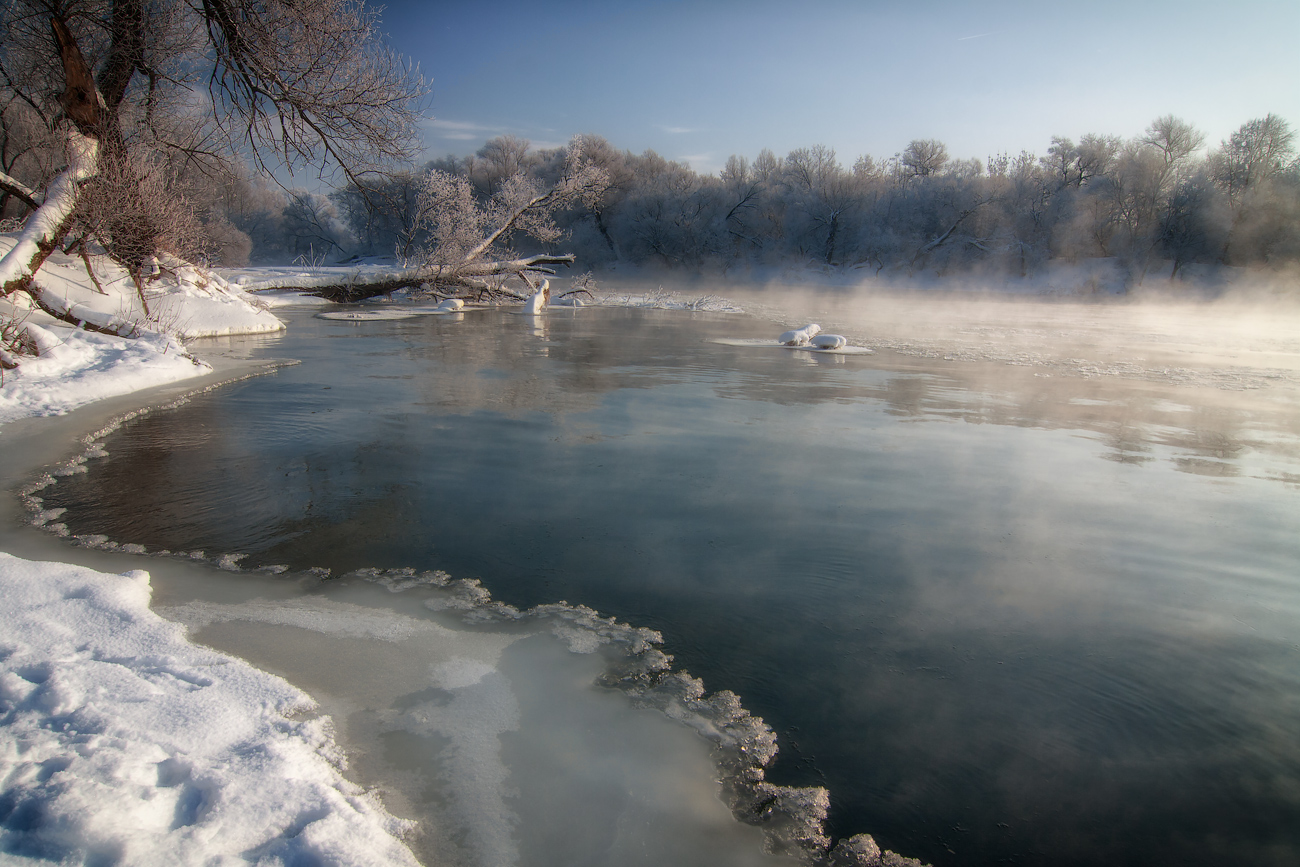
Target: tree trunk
(84,108)
(44,228)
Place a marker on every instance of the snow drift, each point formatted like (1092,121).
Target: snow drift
(123,742)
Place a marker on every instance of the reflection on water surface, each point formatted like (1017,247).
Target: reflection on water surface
(1008,606)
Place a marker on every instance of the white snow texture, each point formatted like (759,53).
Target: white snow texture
(123,743)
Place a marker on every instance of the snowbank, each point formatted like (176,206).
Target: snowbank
(183,300)
(123,742)
(77,367)
(267,277)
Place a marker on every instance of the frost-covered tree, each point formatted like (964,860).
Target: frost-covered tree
(1247,168)
(499,160)
(1143,200)
(473,241)
(823,198)
(924,157)
(741,192)
(673,216)
(130,89)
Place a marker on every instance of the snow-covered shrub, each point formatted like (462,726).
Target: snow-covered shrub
(14,341)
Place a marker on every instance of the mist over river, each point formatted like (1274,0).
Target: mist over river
(1022,586)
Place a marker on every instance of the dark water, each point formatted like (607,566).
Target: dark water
(1004,620)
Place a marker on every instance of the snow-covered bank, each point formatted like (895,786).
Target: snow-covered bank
(183,300)
(76,367)
(121,740)
(73,366)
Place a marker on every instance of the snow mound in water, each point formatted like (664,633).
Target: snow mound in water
(367,315)
(799,336)
(122,741)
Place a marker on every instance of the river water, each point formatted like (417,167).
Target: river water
(1022,586)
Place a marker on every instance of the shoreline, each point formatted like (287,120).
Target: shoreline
(184,592)
(101,691)
(40,443)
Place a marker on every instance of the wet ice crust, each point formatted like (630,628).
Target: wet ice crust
(123,740)
(508,734)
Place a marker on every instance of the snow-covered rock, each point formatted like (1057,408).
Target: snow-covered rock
(537,302)
(829,341)
(800,336)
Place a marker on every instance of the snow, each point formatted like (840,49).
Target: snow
(261,279)
(829,341)
(122,741)
(273,298)
(184,301)
(800,336)
(77,367)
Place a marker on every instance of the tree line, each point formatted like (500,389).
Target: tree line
(1157,197)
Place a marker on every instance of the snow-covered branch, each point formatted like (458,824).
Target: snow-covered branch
(40,236)
(20,191)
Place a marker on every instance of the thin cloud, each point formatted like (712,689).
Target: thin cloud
(463,125)
(460,130)
(701,163)
(676,130)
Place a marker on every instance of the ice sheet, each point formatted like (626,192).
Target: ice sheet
(496,739)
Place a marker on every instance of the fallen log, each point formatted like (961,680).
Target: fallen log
(467,278)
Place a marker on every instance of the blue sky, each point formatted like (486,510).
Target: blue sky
(697,81)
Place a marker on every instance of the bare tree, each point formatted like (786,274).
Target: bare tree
(472,241)
(924,157)
(298,83)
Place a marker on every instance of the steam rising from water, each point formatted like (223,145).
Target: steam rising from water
(1146,383)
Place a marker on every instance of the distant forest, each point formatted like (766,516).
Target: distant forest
(1154,200)
(1149,198)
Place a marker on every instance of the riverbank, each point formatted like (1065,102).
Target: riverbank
(124,739)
